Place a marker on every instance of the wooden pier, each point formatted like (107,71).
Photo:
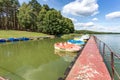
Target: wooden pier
(89,65)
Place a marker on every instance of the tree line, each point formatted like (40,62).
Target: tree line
(33,16)
(93,32)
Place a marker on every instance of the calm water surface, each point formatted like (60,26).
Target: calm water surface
(32,60)
(35,60)
(113,41)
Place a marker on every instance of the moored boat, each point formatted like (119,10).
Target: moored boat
(24,39)
(78,38)
(13,39)
(85,37)
(77,42)
(64,46)
(18,39)
(2,40)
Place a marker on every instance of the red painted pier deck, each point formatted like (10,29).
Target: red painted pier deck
(89,65)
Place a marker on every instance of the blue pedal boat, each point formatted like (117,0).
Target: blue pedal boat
(2,40)
(24,39)
(13,39)
(77,42)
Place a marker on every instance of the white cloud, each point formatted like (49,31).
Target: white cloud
(98,27)
(73,19)
(81,8)
(95,19)
(102,28)
(113,15)
(88,24)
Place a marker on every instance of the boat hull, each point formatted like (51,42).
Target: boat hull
(77,42)
(67,47)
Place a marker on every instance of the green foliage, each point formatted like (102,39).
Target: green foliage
(56,24)
(45,6)
(52,25)
(92,32)
(68,25)
(70,36)
(8,10)
(35,6)
(40,19)
(25,16)
(33,17)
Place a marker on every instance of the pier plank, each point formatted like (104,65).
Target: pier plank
(89,65)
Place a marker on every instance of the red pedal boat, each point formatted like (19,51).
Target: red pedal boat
(64,46)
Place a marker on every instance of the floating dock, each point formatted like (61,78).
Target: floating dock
(89,65)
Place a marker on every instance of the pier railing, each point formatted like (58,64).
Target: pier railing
(111,59)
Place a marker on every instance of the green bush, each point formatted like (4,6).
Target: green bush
(70,36)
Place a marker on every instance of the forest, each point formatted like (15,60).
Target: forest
(34,17)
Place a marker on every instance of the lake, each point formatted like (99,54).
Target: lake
(32,60)
(113,41)
(35,60)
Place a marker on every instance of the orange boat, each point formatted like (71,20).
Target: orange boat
(64,46)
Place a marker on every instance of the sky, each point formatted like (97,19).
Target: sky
(95,15)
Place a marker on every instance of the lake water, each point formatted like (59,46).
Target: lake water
(113,41)
(32,60)
(35,60)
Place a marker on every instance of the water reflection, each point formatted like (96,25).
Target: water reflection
(112,40)
(32,60)
(67,56)
(51,68)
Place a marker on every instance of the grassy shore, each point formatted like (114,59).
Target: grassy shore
(70,36)
(14,33)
